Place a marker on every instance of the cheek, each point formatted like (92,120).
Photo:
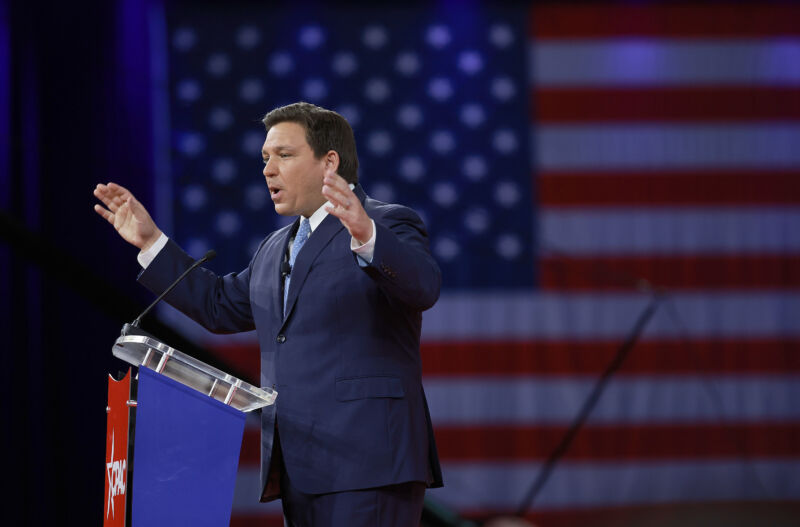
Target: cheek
(309,183)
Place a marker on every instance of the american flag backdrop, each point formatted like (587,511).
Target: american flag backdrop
(571,161)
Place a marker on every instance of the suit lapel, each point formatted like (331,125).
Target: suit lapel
(321,236)
(360,194)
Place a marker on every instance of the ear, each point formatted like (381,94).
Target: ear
(332,161)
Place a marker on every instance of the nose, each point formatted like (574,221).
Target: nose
(269,169)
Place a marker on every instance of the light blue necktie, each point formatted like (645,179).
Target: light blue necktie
(299,240)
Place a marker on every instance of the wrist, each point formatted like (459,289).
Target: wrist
(150,240)
(366,237)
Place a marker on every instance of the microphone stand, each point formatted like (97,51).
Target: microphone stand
(589,404)
(133,327)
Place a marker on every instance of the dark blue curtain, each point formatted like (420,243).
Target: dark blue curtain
(74,111)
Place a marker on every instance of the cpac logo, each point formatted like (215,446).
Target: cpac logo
(115,471)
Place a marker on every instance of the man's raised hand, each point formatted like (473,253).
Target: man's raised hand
(129,217)
(346,206)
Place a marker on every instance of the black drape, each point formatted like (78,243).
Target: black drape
(75,110)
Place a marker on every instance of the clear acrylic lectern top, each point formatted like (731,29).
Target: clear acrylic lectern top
(145,350)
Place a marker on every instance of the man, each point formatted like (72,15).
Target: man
(337,300)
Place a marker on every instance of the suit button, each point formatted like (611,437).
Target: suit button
(281,338)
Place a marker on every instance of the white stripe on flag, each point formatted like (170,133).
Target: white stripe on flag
(497,486)
(626,400)
(664,62)
(690,231)
(665,146)
(523,316)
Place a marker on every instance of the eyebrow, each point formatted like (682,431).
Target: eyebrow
(279,148)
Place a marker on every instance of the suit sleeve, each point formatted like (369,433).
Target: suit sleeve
(220,304)
(402,264)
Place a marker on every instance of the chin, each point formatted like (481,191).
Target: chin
(283,211)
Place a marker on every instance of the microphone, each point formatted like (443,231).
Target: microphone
(210,255)
(286,269)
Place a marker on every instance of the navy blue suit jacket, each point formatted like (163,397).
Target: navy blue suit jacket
(344,359)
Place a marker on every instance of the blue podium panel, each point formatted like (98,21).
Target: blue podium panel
(186,453)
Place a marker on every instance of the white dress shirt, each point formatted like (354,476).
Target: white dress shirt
(365,252)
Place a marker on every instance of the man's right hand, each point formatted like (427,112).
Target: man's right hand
(127,215)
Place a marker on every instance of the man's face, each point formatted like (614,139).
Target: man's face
(293,174)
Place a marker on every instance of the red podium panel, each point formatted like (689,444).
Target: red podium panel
(118,413)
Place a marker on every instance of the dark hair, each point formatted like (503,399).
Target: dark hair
(325,130)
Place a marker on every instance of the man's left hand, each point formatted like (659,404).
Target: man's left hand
(346,206)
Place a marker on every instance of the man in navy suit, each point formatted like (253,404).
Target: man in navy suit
(336,299)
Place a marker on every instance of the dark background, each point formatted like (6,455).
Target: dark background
(71,117)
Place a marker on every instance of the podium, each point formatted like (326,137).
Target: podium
(173,437)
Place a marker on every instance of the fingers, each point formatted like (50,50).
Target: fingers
(120,214)
(341,207)
(338,200)
(105,214)
(345,205)
(111,190)
(340,212)
(128,217)
(336,190)
(118,188)
(117,191)
(112,195)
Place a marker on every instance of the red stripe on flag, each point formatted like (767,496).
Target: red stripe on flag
(614,21)
(620,442)
(245,358)
(743,187)
(749,513)
(600,442)
(714,103)
(650,357)
(250,453)
(712,513)
(515,358)
(739,271)
(256,520)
